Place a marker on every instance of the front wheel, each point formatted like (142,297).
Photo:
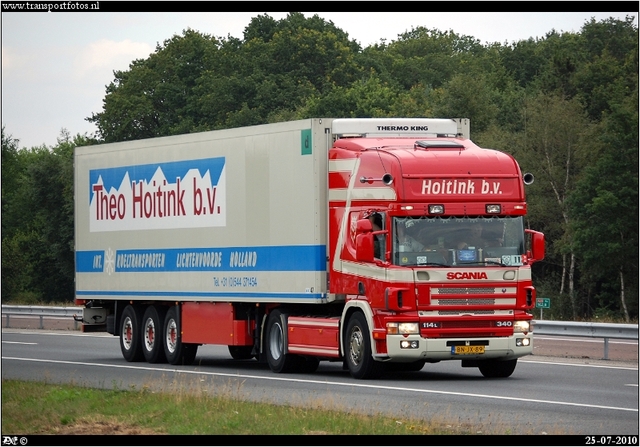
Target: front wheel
(497,368)
(358,345)
(177,353)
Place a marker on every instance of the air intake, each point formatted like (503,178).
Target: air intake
(438,144)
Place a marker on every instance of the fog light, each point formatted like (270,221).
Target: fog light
(523,342)
(436,209)
(409,344)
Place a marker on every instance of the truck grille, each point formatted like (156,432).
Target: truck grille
(458,313)
(468,324)
(466,312)
(467,302)
(462,301)
(463,290)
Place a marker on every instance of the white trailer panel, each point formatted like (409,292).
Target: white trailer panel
(228,215)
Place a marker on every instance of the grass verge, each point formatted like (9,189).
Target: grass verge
(41,408)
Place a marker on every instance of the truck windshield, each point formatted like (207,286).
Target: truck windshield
(456,241)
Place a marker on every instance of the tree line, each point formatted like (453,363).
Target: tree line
(565,105)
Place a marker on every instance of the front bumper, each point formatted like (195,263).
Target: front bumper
(434,349)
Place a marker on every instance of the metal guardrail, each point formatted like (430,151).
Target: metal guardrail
(605,331)
(580,329)
(41,312)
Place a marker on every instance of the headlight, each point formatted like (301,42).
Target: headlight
(403,328)
(522,326)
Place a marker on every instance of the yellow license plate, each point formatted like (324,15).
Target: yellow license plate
(467,350)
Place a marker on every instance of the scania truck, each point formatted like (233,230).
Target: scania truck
(380,243)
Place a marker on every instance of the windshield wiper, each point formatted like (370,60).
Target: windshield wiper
(482,263)
(432,264)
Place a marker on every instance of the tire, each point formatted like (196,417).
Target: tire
(176,352)
(278,361)
(359,360)
(497,368)
(241,352)
(131,334)
(152,331)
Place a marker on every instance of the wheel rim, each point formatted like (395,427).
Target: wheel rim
(172,336)
(276,341)
(127,333)
(356,346)
(149,334)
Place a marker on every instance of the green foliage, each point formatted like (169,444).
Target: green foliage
(604,205)
(565,105)
(202,408)
(467,95)
(431,57)
(195,82)
(368,98)
(610,67)
(37,241)
(156,95)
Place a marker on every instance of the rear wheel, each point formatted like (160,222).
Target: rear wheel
(153,345)
(131,334)
(177,353)
(358,344)
(497,368)
(275,345)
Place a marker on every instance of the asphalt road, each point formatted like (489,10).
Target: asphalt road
(564,347)
(545,395)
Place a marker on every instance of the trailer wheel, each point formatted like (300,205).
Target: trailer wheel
(497,368)
(177,353)
(358,345)
(241,352)
(278,361)
(152,343)
(131,335)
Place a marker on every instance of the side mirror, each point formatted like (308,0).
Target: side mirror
(364,247)
(537,246)
(363,226)
(364,241)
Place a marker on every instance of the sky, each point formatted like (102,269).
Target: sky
(56,65)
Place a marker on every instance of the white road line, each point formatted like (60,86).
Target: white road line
(325,382)
(61,332)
